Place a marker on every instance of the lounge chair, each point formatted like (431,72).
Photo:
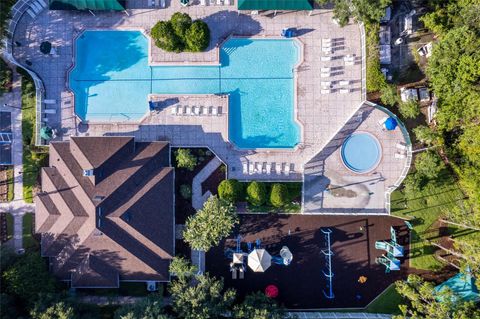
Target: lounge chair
(196,110)
(205,110)
(203,2)
(241,273)
(174,110)
(344,82)
(214,111)
(227,2)
(47,101)
(245,168)
(43,3)
(31,13)
(188,110)
(250,168)
(400,155)
(324,75)
(219,110)
(325,70)
(325,91)
(326,83)
(219,2)
(162,4)
(268,168)
(381,245)
(382,121)
(326,58)
(35,7)
(278,168)
(50,111)
(401,146)
(343,91)
(234,272)
(287,169)
(258,167)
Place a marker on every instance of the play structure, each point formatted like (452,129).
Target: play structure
(462,286)
(328,273)
(256,257)
(393,251)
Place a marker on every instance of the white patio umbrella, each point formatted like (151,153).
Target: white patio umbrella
(259,260)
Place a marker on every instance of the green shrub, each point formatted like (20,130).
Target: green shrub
(197,36)
(186,191)
(429,164)
(409,109)
(256,193)
(388,95)
(164,37)
(230,190)
(279,195)
(181,34)
(185,159)
(5,77)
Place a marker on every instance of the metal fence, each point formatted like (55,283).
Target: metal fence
(17,12)
(364,61)
(337,315)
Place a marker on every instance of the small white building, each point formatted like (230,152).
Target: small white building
(408,94)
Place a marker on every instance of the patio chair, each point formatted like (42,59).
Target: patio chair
(162,4)
(344,82)
(344,91)
(268,168)
(188,110)
(241,273)
(245,168)
(400,155)
(325,91)
(402,146)
(326,58)
(203,2)
(382,121)
(278,168)
(214,111)
(47,101)
(287,169)
(250,168)
(204,110)
(258,167)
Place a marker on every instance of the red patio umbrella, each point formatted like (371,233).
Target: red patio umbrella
(271,291)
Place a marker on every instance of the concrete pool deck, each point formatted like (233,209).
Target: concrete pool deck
(322,115)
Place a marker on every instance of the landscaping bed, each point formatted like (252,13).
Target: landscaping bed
(212,182)
(183,176)
(6,184)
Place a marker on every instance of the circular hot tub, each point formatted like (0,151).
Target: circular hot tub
(361,152)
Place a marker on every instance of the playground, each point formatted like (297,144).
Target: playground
(313,261)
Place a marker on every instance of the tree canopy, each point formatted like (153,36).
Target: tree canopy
(210,224)
(185,159)
(367,11)
(148,308)
(258,306)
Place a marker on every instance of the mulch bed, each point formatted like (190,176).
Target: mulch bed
(212,182)
(3,185)
(183,207)
(301,284)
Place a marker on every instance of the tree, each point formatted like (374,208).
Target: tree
(28,277)
(230,190)
(197,37)
(182,268)
(388,95)
(181,22)
(5,77)
(148,308)
(186,191)
(428,135)
(258,306)
(165,38)
(210,224)
(59,310)
(424,303)
(367,11)
(185,159)
(429,164)
(409,109)
(279,195)
(256,193)
(204,299)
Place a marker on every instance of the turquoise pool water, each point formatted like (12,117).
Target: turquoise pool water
(112,78)
(361,152)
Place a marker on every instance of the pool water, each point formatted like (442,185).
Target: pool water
(112,78)
(361,152)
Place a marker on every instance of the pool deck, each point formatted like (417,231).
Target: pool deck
(322,115)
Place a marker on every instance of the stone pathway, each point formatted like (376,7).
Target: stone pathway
(18,208)
(197,197)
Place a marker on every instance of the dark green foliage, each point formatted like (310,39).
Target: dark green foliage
(279,195)
(409,109)
(28,277)
(230,190)
(148,308)
(5,77)
(204,299)
(367,11)
(256,193)
(5,14)
(182,268)
(181,34)
(185,159)
(59,310)
(429,165)
(427,135)
(197,36)
(388,95)
(375,78)
(258,306)
(186,191)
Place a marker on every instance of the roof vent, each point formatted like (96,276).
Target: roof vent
(98,198)
(88,172)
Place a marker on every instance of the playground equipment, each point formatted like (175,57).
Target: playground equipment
(259,260)
(393,250)
(328,258)
(390,263)
(285,257)
(462,285)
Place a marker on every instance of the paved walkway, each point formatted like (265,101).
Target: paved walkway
(17,207)
(197,197)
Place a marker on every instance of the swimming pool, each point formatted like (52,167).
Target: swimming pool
(111,80)
(361,152)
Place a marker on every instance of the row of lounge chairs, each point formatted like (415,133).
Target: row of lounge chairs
(196,110)
(157,3)
(250,168)
(328,87)
(215,2)
(35,7)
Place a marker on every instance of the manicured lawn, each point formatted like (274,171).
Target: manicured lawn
(387,302)
(29,242)
(424,208)
(294,205)
(9,226)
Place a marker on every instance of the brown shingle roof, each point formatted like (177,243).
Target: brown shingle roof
(120,225)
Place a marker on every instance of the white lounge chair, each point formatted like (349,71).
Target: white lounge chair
(278,168)
(401,146)
(400,155)
(214,111)
(227,2)
(162,4)
(250,168)
(286,169)
(382,121)
(343,91)
(196,110)
(325,70)
(204,110)
(31,13)
(188,110)
(324,75)
(50,111)
(268,168)
(174,110)
(326,58)
(258,167)
(344,82)
(245,168)
(325,91)
(219,2)
(46,101)
(326,83)
(203,2)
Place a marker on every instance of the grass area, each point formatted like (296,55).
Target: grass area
(424,208)
(294,205)
(29,242)
(10,185)
(137,289)
(9,226)
(32,158)
(387,302)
